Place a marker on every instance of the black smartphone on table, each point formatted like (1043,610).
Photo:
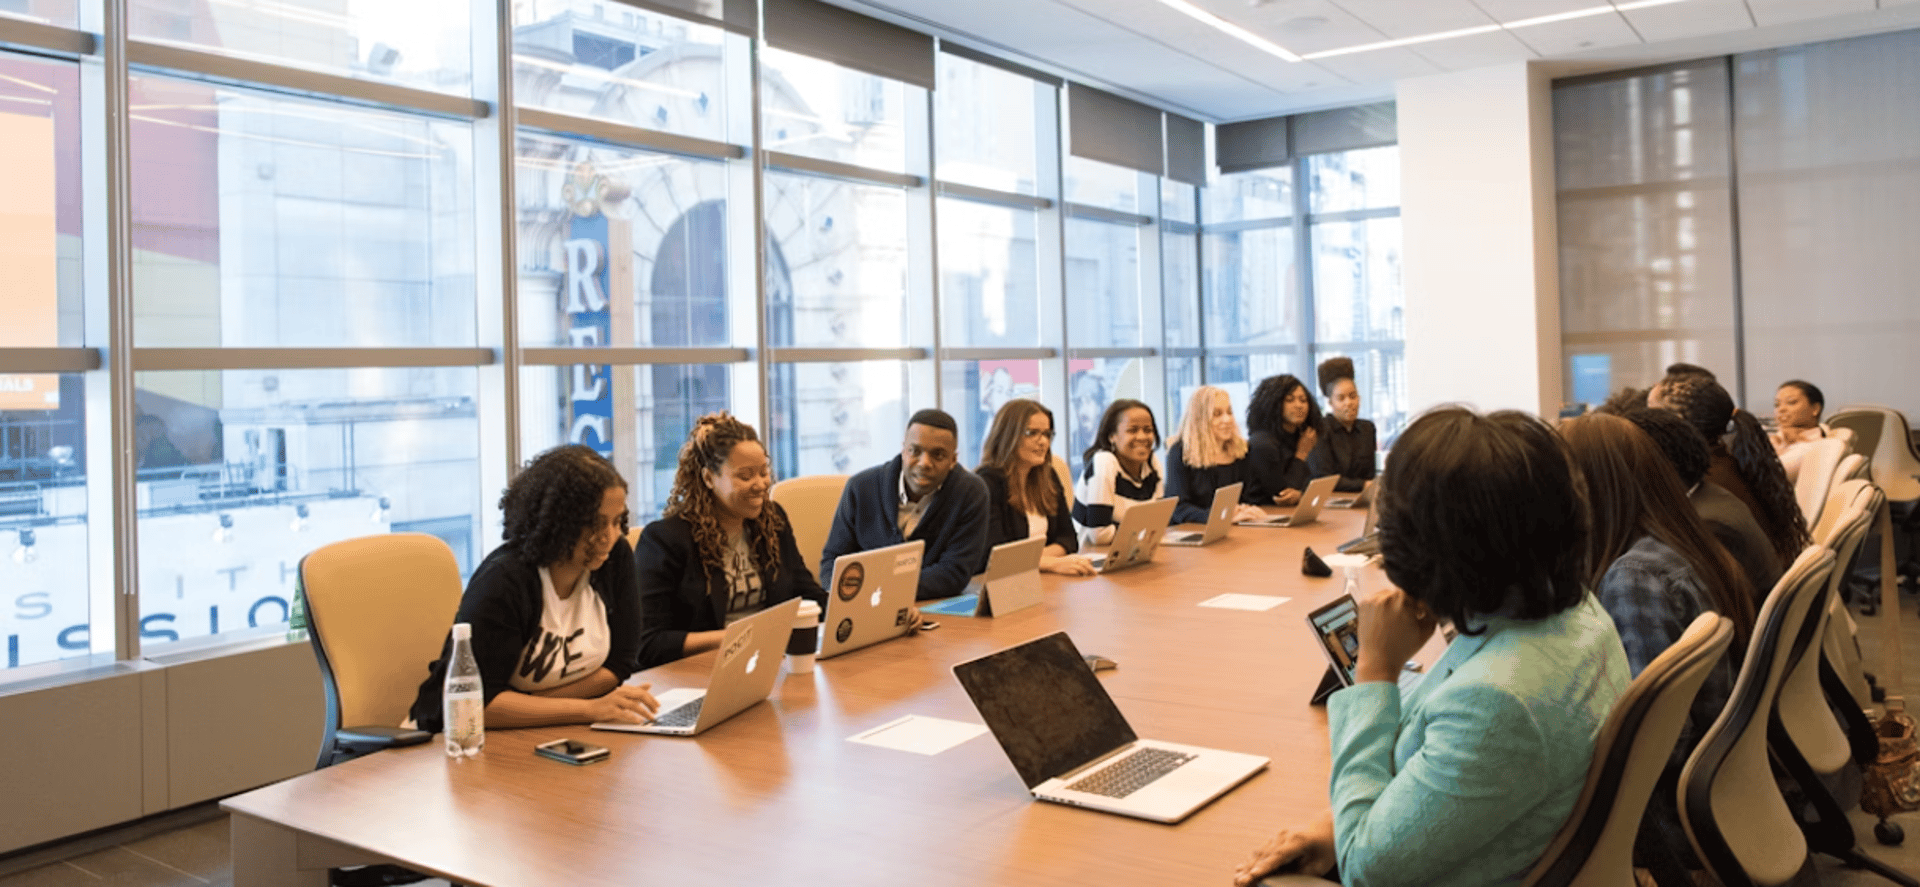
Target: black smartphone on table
(572,751)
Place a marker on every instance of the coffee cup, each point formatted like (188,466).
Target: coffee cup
(805,641)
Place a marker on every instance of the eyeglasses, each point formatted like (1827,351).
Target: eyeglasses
(1035,432)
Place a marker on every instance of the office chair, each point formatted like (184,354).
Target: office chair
(810,502)
(378,608)
(1883,436)
(1595,847)
(1733,813)
(1815,476)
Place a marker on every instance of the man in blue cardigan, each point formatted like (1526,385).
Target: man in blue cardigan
(923,493)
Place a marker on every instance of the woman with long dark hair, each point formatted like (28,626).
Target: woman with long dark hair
(1024,496)
(1741,458)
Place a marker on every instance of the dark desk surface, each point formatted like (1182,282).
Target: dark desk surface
(778,794)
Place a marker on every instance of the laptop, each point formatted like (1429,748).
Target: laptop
(1336,631)
(1312,499)
(1011,582)
(743,674)
(1368,542)
(1070,744)
(870,597)
(1366,496)
(1136,537)
(1226,501)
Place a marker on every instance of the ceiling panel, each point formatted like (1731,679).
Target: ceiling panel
(1776,12)
(1476,51)
(1379,66)
(1303,26)
(1399,18)
(1514,10)
(1691,19)
(1578,35)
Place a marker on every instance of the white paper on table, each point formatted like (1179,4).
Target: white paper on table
(1254,602)
(919,734)
(1337,561)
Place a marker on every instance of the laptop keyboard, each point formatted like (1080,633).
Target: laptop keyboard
(1131,773)
(684,716)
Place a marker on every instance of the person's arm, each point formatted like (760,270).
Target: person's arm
(1095,508)
(1060,530)
(843,537)
(1183,484)
(620,590)
(596,697)
(661,562)
(1270,469)
(961,539)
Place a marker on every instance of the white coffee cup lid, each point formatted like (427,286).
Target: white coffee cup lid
(809,610)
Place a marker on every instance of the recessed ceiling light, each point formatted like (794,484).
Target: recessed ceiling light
(1304,23)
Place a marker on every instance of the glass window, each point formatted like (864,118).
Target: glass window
(425,44)
(1092,183)
(1103,285)
(263,221)
(40,242)
(977,389)
(989,282)
(59,13)
(836,418)
(819,109)
(1239,373)
(1353,180)
(1180,270)
(1252,287)
(1091,386)
(1356,281)
(666,282)
(46,612)
(986,119)
(1183,375)
(1245,196)
(836,263)
(252,469)
(637,416)
(640,68)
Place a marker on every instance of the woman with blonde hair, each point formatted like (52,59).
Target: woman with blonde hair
(722,551)
(1024,496)
(1208,453)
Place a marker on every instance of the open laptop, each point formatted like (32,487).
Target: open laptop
(1226,501)
(1336,631)
(1138,534)
(743,674)
(869,599)
(1365,496)
(1011,582)
(1368,542)
(1071,745)
(1312,499)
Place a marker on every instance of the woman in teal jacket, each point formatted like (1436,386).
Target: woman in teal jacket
(1464,779)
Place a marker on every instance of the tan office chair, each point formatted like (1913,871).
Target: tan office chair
(810,502)
(1065,474)
(1595,847)
(378,611)
(1853,467)
(1733,812)
(1815,476)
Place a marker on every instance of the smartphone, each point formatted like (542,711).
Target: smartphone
(572,751)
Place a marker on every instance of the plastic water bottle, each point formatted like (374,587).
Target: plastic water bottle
(1353,583)
(463,704)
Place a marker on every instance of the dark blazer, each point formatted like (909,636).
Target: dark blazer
(503,603)
(1732,523)
(954,526)
(1009,524)
(679,593)
(1349,454)
(1194,487)
(1272,466)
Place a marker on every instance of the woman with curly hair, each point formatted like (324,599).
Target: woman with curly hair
(1741,458)
(555,611)
(1282,423)
(722,551)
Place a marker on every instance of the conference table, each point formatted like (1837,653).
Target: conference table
(779,794)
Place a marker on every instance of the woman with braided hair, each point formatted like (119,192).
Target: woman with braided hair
(1741,458)
(722,551)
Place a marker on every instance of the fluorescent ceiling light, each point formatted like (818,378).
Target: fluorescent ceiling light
(1404,41)
(1487,29)
(1230,29)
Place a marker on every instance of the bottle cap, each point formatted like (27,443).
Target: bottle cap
(462,631)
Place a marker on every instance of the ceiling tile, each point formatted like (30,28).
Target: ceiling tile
(1399,18)
(1303,26)
(1381,65)
(1474,51)
(1775,12)
(1691,19)
(1515,10)
(1585,34)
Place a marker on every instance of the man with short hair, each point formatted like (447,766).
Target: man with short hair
(923,493)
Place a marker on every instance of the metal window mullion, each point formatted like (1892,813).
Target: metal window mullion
(497,139)
(633,356)
(990,197)
(124,517)
(1303,261)
(66,43)
(762,343)
(620,135)
(50,360)
(1733,225)
(930,199)
(262,76)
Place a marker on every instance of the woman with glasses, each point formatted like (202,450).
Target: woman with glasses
(555,610)
(1024,496)
(722,551)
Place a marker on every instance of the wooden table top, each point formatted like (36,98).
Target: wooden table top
(779,793)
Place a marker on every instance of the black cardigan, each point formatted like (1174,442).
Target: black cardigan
(680,594)
(503,603)
(1006,523)
(1272,466)
(1349,454)
(1194,487)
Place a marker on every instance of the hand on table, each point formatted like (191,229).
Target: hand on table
(1067,565)
(1287,497)
(1250,512)
(1306,850)
(633,703)
(1393,627)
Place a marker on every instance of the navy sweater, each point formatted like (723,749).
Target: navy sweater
(954,526)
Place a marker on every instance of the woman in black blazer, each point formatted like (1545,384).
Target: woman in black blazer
(722,551)
(1024,497)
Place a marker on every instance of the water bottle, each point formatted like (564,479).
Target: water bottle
(463,704)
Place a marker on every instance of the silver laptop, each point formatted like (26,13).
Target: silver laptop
(1136,537)
(1011,582)
(1071,745)
(1366,496)
(743,674)
(1368,542)
(870,598)
(1226,501)
(1312,499)
(1336,629)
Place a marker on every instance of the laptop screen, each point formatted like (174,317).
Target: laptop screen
(1045,707)
(1337,626)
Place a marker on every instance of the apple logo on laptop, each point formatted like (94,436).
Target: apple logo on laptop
(753,662)
(873,600)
